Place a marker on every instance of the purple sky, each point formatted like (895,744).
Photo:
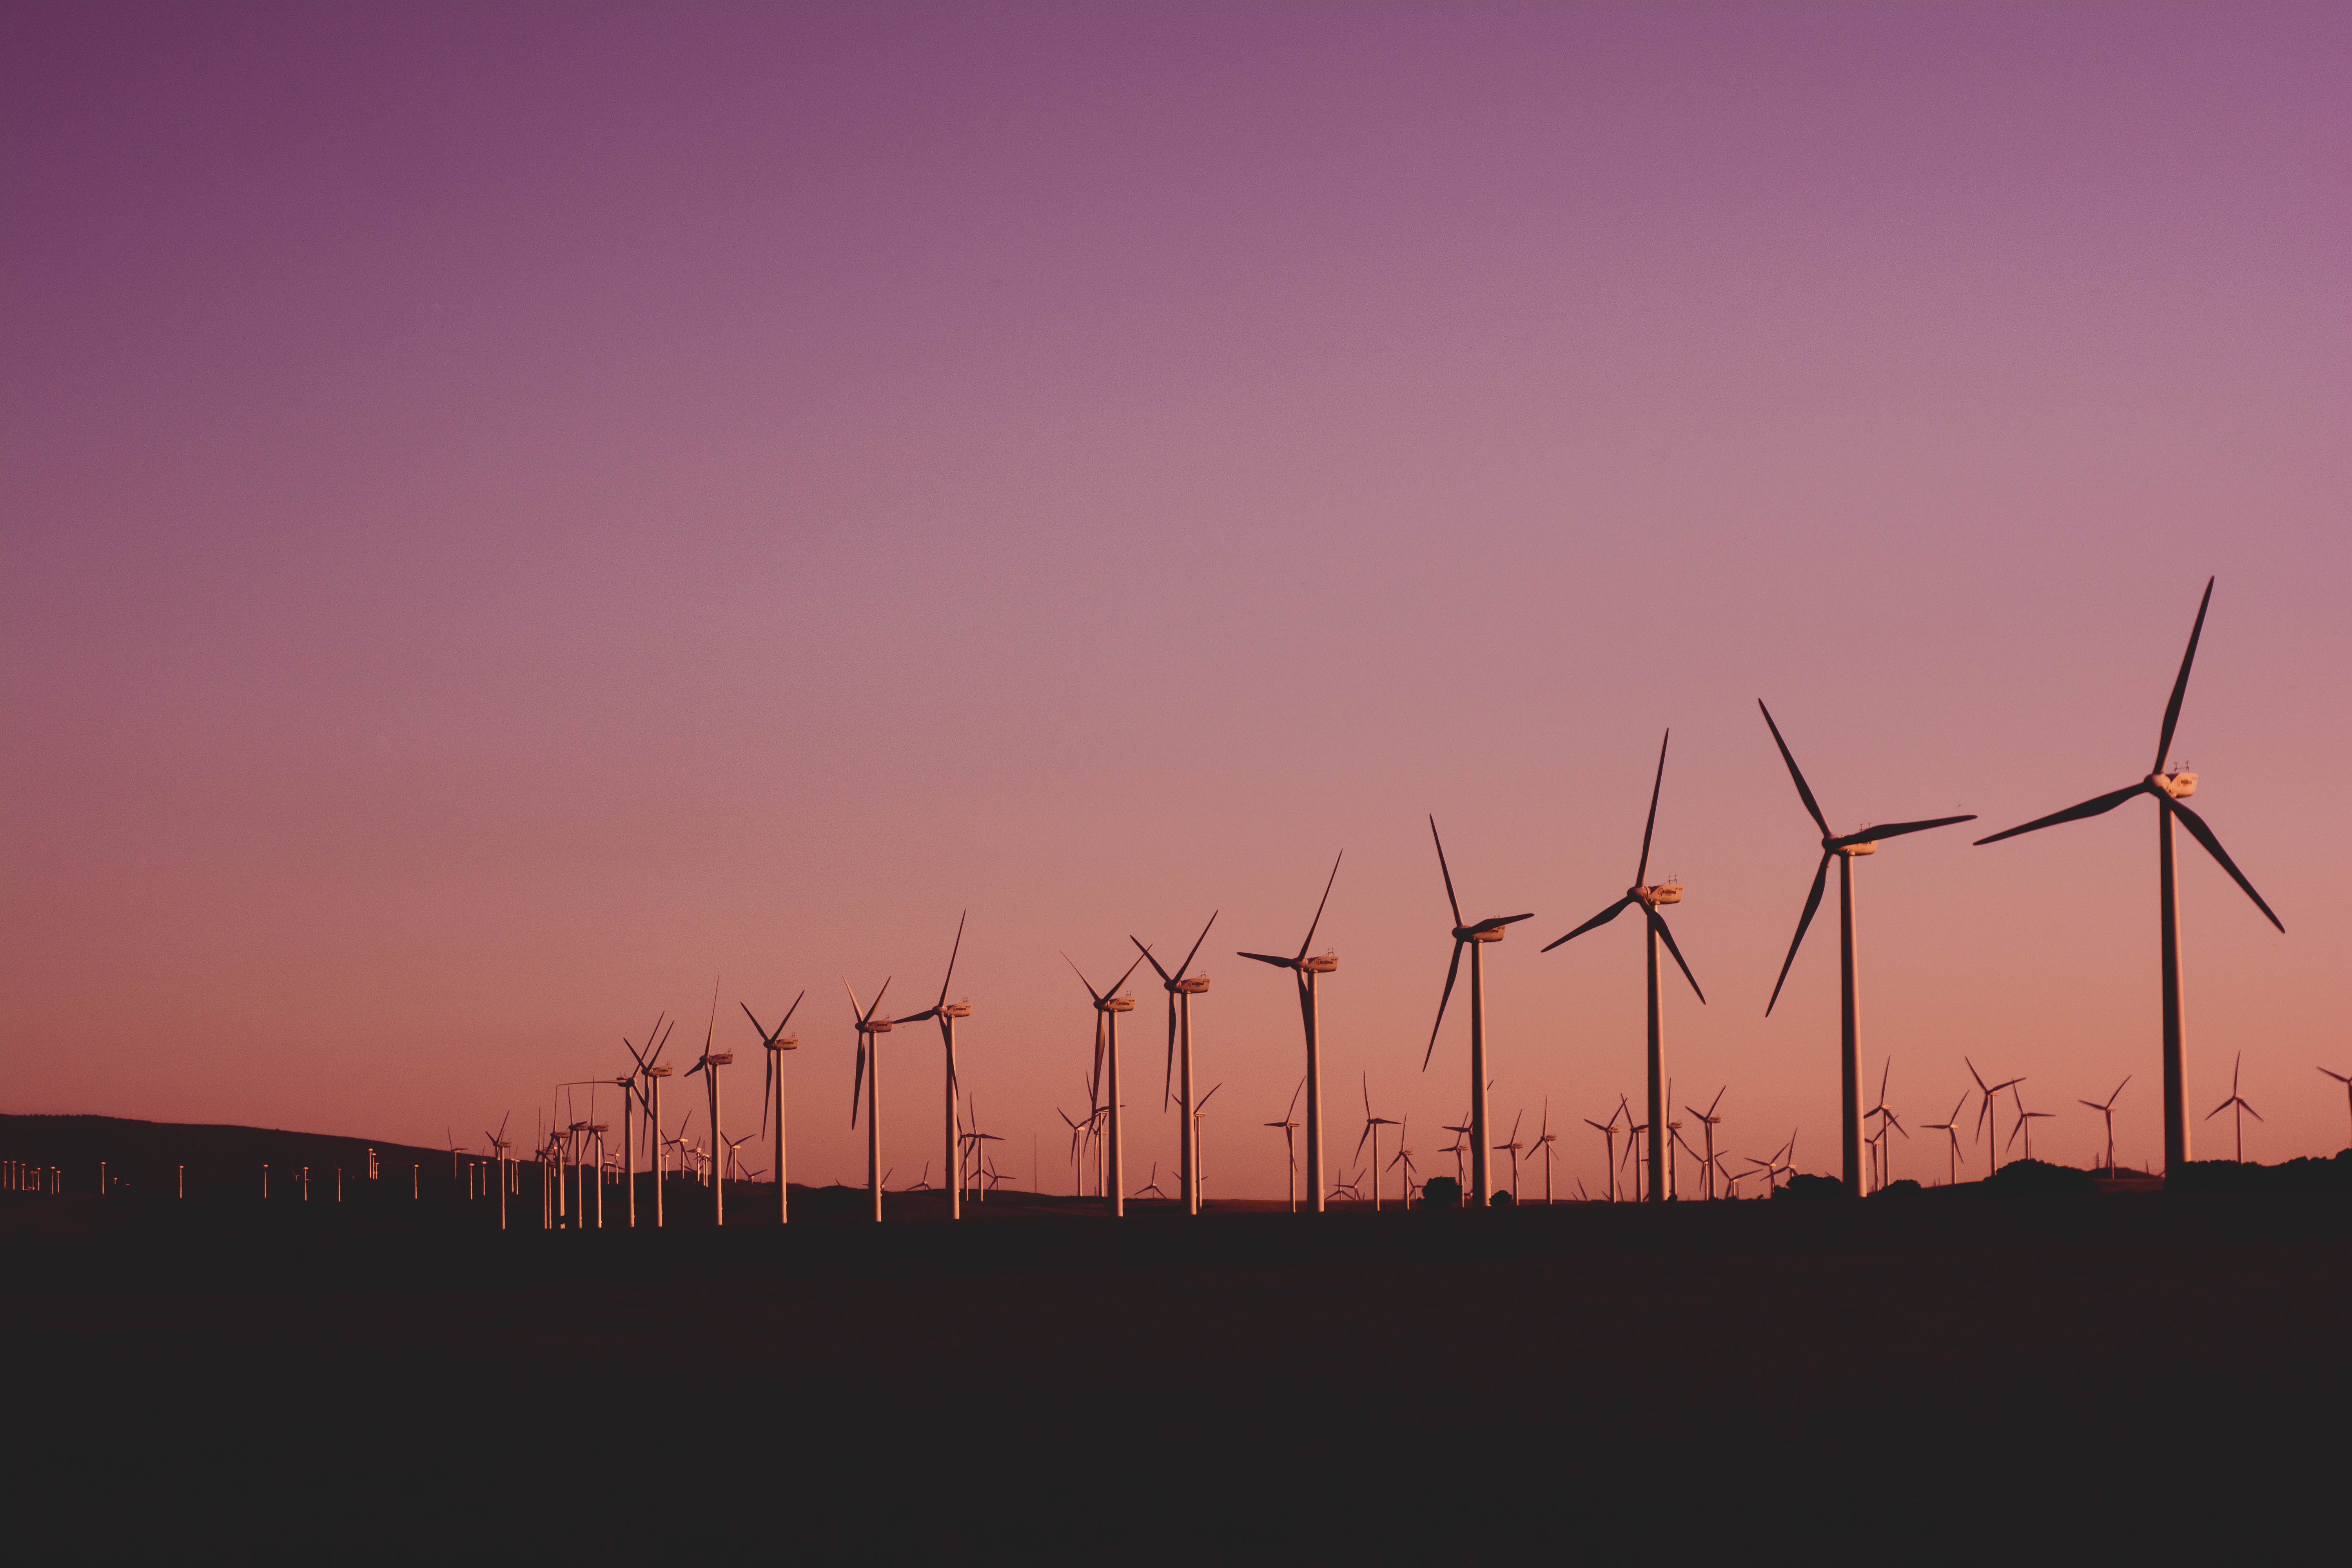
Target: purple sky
(509,512)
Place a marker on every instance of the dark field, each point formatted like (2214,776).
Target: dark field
(1947,1375)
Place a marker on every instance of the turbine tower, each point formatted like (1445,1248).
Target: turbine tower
(1303,971)
(771,1084)
(869,1068)
(1108,1006)
(1474,937)
(1649,897)
(946,1012)
(2169,790)
(1843,848)
(1181,987)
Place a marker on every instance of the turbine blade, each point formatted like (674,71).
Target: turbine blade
(1168,1079)
(1187,966)
(1804,792)
(1130,970)
(1602,918)
(1655,784)
(2180,684)
(951,959)
(2204,834)
(1897,829)
(1270,958)
(791,1010)
(857,1080)
(1164,975)
(1659,921)
(1812,904)
(1318,908)
(2094,808)
(1081,974)
(1451,970)
(1443,871)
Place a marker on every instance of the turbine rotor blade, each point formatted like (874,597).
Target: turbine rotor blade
(951,959)
(1451,970)
(2180,684)
(2204,834)
(1165,977)
(1443,871)
(1659,921)
(1655,784)
(1897,829)
(1270,958)
(1602,918)
(1187,967)
(1812,904)
(1804,792)
(2097,806)
(1318,908)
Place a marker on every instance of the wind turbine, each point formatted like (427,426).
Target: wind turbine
(1151,1186)
(1403,1156)
(1303,971)
(2025,1120)
(1372,1125)
(1289,1125)
(870,1070)
(1649,897)
(632,1088)
(1475,937)
(776,1042)
(1843,848)
(1886,1120)
(2107,1108)
(1545,1139)
(2243,1110)
(498,1147)
(2344,1079)
(1108,1006)
(708,1066)
(1950,1129)
(1181,987)
(1985,1113)
(2169,791)
(1200,1162)
(1607,1129)
(1514,1145)
(1710,1120)
(946,1012)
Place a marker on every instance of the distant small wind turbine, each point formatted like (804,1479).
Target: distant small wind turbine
(1474,937)
(1651,898)
(2106,1109)
(1181,987)
(1303,973)
(1545,1139)
(1289,1125)
(1372,1125)
(2242,1108)
(1512,1146)
(708,1066)
(1108,1006)
(867,1076)
(1710,1120)
(1950,1129)
(2025,1120)
(2347,1081)
(1985,1114)
(776,1042)
(945,1013)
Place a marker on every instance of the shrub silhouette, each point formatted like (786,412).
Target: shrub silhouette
(2039,1176)
(1812,1189)
(1441,1193)
(1502,1200)
(1902,1188)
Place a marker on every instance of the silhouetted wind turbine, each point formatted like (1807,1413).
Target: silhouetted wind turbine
(1545,1139)
(1199,1160)
(869,1071)
(1474,937)
(1650,899)
(2025,1119)
(1985,1113)
(1710,1120)
(1843,848)
(708,1066)
(1108,1006)
(2169,790)
(2243,1110)
(2107,1108)
(1303,971)
(1607,1129)
(946,1012)
(2347,1081)
(1372,1125)
(1950,1129)
(775,1044)
(1289,1125)
(1181,987)
(498,1147)
(1513,1145)
(632,1092)
(1403,1156)
(1886,1120)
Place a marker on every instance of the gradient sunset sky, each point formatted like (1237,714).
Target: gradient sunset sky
(509,512)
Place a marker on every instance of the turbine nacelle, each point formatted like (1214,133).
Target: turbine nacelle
(1117,1004)
(956,1010)
(1667,893)
(2179,786)
(1191,984)
(1322,963)
(875,1026)
(789,1043)
(662,1070)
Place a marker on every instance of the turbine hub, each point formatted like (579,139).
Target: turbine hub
(2179,786)
(1868,848)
